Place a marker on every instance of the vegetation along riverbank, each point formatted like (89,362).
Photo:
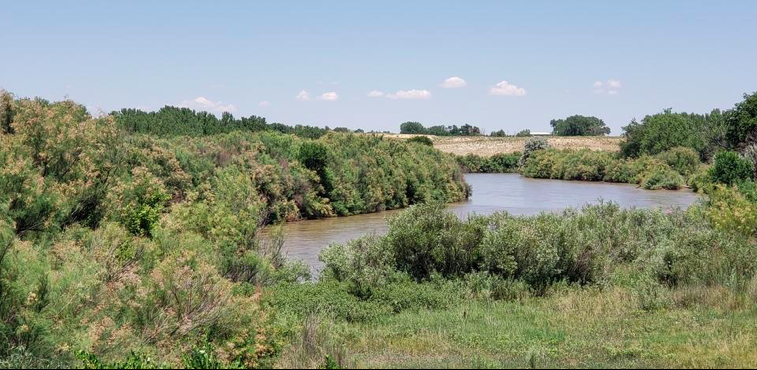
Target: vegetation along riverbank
(131,240)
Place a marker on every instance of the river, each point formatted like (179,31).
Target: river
(491,193)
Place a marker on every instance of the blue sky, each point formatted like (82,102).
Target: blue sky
(374,65)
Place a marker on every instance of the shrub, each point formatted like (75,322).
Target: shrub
(423,140)
(532,145)
(684,160)
(730,210)
(661,178)
(498,163)
(138,201)
(730,168)
(425,240)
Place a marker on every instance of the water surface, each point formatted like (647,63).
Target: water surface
(491,193)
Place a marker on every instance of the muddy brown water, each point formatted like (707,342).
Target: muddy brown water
(513,193)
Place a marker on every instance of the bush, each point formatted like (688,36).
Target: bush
(667,179)
(425,240)
(664,131)
(423,140)
(498,163)
(684,160)
(730,210)
(532,145)
(730,168)
(507,257)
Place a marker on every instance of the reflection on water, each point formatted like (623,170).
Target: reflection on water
(491,193)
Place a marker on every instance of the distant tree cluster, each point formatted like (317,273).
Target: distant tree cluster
(172,121)
(439,130)
(579,126)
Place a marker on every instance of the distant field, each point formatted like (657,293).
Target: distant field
(488,146)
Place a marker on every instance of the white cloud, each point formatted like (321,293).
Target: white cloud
(454,83)
(329,96)
(410,94)
(609,87)
(506,89)
(265,103)
(303,96)
(203,104)
(376,94)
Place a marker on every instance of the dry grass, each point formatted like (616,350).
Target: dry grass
(488,146)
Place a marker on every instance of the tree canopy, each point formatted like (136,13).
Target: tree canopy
(439,130)
(579,126)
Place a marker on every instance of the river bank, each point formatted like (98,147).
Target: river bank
(492,193)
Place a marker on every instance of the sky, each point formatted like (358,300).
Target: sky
(507,65)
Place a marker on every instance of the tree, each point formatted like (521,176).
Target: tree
(412,128)
(579,126)
(500,133)
(6,112)
(664,131)
(742,123)
(523,133)
(730,168)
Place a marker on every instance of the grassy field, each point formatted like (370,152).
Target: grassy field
(586,328)
(488,146)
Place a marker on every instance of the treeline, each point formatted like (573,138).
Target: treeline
(172,121)
(418,129)
(120,248)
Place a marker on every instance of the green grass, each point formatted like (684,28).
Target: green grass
(572,328)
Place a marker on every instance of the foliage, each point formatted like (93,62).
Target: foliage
(498,163)
(499,133)
(685,161)
(412,128)
(742,122)
(523,133)
(586,165)
(732,211)
(583,247)
(172,121)
(532,145)
(423,140)
(579,126)
(6,112)
(418,128)
(730,168)
(134,249)
(707,134)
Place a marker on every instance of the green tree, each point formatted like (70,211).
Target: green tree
(579,126)
(731,168)
(664,131)
(412,128)
(523,133)
(742,123)
(6,112)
